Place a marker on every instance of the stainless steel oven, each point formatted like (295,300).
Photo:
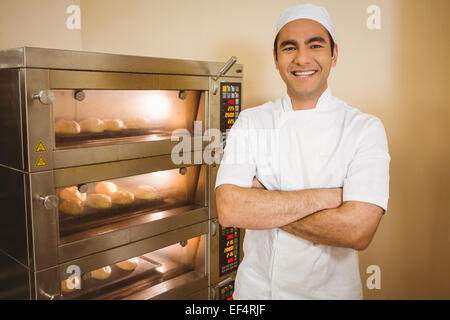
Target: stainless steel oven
(105,192)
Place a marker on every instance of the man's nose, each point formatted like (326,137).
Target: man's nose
(302,57)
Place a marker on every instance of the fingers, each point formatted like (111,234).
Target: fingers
(257,184)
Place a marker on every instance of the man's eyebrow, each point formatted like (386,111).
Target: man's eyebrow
(287,43)
(315,39)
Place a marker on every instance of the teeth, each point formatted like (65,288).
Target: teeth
(306,73)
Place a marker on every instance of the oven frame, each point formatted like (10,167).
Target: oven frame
(37,69)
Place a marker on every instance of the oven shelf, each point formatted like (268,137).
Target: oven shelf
(91,218)
(109,137)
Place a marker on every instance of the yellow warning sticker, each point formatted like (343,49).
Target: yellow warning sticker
(40,147)
(41,162)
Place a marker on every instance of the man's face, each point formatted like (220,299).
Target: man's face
(304,58)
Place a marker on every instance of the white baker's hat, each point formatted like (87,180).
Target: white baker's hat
(306,11)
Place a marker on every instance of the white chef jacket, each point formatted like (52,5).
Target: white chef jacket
(332,145)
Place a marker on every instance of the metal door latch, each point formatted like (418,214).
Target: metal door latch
(50,202)
(45,97)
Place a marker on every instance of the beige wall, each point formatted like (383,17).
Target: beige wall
(399,73)
(37,23)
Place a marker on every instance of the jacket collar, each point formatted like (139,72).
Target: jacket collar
(324,103)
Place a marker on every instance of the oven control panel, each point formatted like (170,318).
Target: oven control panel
(230,104)
(229,249)
(226,291)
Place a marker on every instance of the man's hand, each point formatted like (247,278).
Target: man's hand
(258,208)
(352,225)
(353,228)
(335,198)
(257,184)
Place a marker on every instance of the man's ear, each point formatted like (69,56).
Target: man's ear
(335,55)
(275,58)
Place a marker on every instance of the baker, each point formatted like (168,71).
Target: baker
(306,175)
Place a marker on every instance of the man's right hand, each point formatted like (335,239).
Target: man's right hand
(258,208)
(334,198)
(257,184)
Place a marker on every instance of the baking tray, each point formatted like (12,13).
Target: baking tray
(90,218)
(64,140)
(118,279)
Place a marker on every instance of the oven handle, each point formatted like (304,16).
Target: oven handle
(45,97)
(50,201)
(222,72)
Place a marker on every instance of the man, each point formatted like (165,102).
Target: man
(306,175)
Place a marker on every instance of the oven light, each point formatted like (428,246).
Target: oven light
(159,173)
(157,215)
(162,177)
(157,106)
(161,269)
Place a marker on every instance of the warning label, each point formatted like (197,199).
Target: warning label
(41,162)
(40,147)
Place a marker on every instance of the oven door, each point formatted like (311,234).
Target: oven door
(84,210)
(76,118)
(167,266)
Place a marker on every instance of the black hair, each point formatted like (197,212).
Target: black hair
(275,44)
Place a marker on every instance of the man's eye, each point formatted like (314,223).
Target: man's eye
(316,46)
(288,48)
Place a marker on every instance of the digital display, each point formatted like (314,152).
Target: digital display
(230,104)
(229,249)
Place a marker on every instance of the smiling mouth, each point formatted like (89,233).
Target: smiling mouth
(304,74)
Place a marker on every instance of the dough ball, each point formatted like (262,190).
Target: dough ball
(122,197)
(102,273)
(72,193)
(67,127)
(146,193)
(138,123)
(71,206)
(92,125)
(74,282)
(113,125)
(98,201)
(128,265)
(107,188)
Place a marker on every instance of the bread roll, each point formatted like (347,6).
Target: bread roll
(74,284)
(122,197)
(72,193)
(102,273)
(98,201)
(138,123)
(107,188)
(67,127)
(113,125)
(128,265)
(146,193)
(73,207)
(92,125)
